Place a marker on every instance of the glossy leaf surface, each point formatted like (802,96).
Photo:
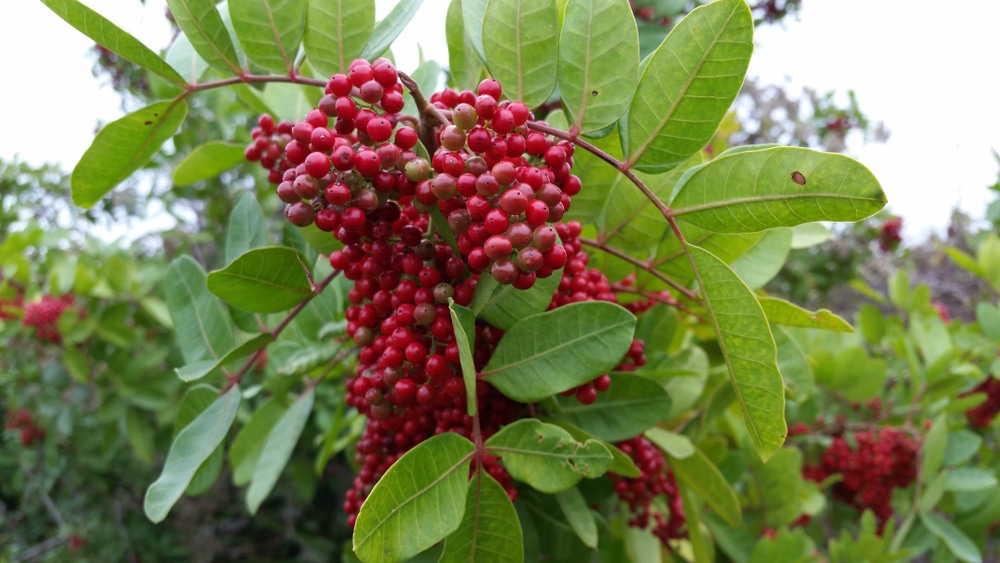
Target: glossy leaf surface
(263,280)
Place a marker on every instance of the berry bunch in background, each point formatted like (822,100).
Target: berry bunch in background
(22,421)
(651,492)
(43,315)
(889,235)
(872,463)
(983,414)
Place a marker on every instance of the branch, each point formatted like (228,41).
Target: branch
(691,295)
(317,289)
(430,115)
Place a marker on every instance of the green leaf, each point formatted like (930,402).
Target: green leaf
(597,77)
(504,305)
(699,474)
(808,235)
(631,405)
(752,191)
(464,67)
(464,321)
(520,41)
(387,30)
(269,31)
(122,147)
(141,434)
(872,323)
(532,361)
(473,15)
(574,508)
(675,445)
(988,317)
(201,324)
(688,85)
(202,24)
(490,531)
(988,260)
(196,370)
(192,445)
(109,35)
(748,347)
(794,365)
(621,463)
(958,543)
(701,546)
(970,479)
(781,312)
(546,457)
(289,102)
(764,259)
(780,483)
(932,451)
(277,450)
(263,280)
(181,54)
(336,33)
(962,445)
(247,227)
(418,502)
(208,161)
(246,448)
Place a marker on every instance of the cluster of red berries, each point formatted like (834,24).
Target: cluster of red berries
(982,415)
(889,235)
(44,314)
(656,480)
(648,13)
(21,420)
(501,189)
(878,462)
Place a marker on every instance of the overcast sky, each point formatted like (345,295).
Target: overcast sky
(921,69)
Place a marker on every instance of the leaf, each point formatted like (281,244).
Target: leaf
(247,227)
(958,543)
(418,502)
(971,479)
(782,312)
(121,147)
(578,514)
(748,347)
(190,448)
(520,41)
(532,361)
(269,31)
(181,54)
(203,26)
(208,161)
(933,448)
(621,463)
(201,325)
(464,321)
(762,261)
(753,191)
(688,85)
(504,305)
(988,317)
(141,434)
(464,67)
(110,36)
(277,450)
(780,482)
(808,235)
(249,442)
(794,365)
(473,15)
(699,474)
(490,531)
(597,77)
(387,30)
(196,370)
(631,405)
(545,456)
(336,33)
(289,102)
(675,445)
(263,280)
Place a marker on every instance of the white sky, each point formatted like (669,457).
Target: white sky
(918,67)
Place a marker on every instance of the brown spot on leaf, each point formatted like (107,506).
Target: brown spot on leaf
(798,178)
(148,123)
(593,92)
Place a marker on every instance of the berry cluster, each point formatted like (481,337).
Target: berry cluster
(983,414)
(889,236)
(44,314)
(21,419)
(879,462)
(656,480)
